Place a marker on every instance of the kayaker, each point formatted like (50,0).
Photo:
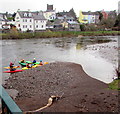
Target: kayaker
(22,61)
(11,66)
(34,61)
(41,62)
(28,65)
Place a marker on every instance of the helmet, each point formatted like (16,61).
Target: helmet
(40,60)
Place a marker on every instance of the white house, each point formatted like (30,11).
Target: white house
(2,20)
(26,20)
(50,15)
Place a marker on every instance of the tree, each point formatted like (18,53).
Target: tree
(14,16)
(117,22)
(108,23)
(100,16)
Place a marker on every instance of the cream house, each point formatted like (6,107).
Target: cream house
(50,13)
(26,20)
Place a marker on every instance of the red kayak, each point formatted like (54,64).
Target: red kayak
(12,71)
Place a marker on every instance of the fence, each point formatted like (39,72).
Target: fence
(8,105)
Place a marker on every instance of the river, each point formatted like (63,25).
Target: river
(97,55)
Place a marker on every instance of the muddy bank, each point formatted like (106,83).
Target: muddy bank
(81,93)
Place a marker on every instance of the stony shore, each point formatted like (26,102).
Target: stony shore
(80,92)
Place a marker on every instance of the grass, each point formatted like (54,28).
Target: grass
(52,34)
(115,85)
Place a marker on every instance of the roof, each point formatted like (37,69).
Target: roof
(71,13)
(1,19)
(90,13)
(39,17)
(22,14)
(57,21)
(35,15)
(2,16)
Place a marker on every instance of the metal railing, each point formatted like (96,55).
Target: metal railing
(8,105)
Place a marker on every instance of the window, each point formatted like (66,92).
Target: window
(23,26)
(25,14)
(30,20)
(18,25)
(26,20)
(26,26)
(17,17)
(36,26)
(30,26)
(42,26)
(30,14)
(23,20)
(36,21)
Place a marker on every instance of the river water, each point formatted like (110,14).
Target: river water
(97,55)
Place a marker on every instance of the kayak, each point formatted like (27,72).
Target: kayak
(28,62)
(13,67)
(23,64)
(37,63)
(25,68)
(34,66)
(12,71)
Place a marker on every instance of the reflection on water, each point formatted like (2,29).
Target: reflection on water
(60,49)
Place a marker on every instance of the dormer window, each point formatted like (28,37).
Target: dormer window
(25,14)
(30,14)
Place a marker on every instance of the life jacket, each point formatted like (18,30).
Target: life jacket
(34,61)
(11,64)
(41,63)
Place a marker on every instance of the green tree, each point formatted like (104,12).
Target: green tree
(117,22)
(108,23)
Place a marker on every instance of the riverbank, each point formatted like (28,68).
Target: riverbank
(80,92)
(51,34)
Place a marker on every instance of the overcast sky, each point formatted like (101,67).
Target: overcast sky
(60,5)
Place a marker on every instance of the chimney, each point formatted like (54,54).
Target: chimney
(28,10)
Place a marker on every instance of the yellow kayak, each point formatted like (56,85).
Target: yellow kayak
(37,65)
(13,67)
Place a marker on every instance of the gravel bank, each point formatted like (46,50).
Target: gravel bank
(81,93)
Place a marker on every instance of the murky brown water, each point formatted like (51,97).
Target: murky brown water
(90,52)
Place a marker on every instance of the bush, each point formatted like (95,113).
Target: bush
(82,27)
(91,27)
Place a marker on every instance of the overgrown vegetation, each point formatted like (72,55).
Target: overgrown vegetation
(50,34)
(115,85)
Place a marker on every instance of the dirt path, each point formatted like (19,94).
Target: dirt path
(81,93)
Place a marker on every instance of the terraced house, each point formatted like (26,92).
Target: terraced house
(88,17)
(27,20)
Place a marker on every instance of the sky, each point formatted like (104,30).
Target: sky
(12,6)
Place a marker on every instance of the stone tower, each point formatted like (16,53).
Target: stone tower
(49,7)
